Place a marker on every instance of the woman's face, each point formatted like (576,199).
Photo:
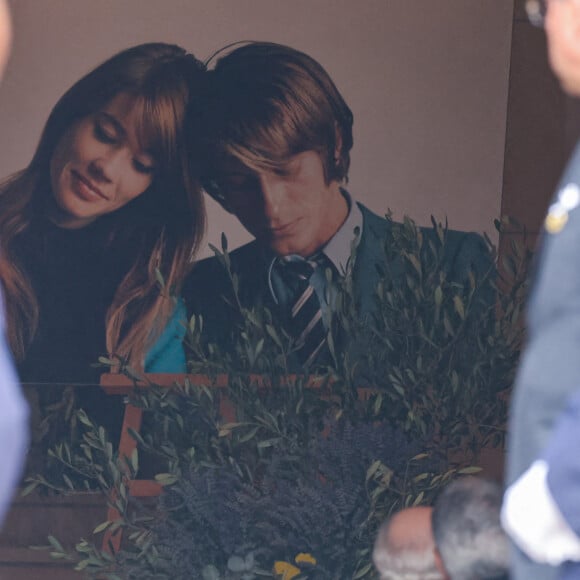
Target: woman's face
(98,165)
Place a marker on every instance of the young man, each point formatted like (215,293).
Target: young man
(550,368)
(273,142)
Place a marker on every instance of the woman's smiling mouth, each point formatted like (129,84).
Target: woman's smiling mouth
(85,188)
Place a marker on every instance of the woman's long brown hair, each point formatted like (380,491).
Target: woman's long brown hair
(167,221)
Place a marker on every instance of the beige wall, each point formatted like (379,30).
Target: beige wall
(427,82)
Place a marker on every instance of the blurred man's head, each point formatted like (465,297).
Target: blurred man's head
(471,544)
(5,35)
(562,24)
(404,548)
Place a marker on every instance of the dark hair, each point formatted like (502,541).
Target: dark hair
(266,102)
(467,530)
(167,220)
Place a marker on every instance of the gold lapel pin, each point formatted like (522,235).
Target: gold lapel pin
(557,218)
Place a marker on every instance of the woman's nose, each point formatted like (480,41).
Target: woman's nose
(110,164)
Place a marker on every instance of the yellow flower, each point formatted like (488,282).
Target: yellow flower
(285,570)
(304,558)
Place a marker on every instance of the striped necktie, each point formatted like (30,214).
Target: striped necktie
(303,314)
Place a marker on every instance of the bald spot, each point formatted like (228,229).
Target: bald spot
(410,529)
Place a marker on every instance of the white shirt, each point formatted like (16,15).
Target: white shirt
(532,519)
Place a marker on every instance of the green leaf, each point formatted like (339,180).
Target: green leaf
(469,470)
(363,571)
(102,527)
(459,307)
(55,543)
(82,416)
(419,499)
(166,478)
(249,435)
(30,488)
(268,442)
(376,465)
(378,404)
(135,460)
(420,477)
(415,262)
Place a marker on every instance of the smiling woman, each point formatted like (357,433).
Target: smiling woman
(107,201)
(99,165)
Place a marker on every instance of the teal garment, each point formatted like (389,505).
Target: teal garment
(167,354)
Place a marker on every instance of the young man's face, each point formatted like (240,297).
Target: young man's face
(562,26)
(292,210)
(5,35)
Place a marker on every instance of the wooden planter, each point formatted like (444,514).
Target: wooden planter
(491,459)
(34,517)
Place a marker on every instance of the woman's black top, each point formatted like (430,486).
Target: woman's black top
(74,274)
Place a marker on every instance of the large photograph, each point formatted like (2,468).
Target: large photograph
(84,249)
(257,287)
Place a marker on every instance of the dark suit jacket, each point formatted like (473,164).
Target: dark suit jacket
(564,463)
(549,371)
(564,472)
(208,290)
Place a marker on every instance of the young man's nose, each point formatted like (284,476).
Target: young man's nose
(273,189)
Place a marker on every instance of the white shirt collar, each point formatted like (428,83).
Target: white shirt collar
(339,248)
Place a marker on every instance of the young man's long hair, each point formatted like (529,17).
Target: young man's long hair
(266,102)
(166,222)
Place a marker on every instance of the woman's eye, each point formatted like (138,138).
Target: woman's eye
(104,134)
(144,168)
